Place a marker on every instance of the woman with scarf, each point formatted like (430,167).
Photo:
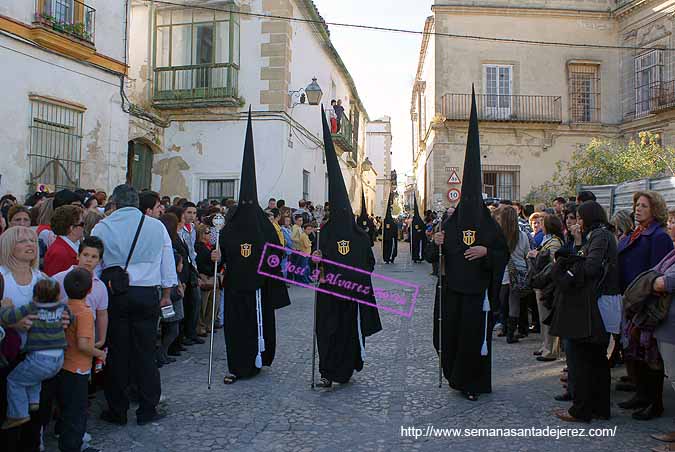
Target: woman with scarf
(638,252)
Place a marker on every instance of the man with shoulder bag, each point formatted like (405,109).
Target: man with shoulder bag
(137,264)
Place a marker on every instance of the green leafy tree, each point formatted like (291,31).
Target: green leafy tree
(604,161)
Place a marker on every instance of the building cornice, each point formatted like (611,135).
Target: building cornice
(520,11)
(58,43)
(633,6)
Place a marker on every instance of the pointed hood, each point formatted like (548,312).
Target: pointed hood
(248,229)
(248,189)
(471,206)
(364,209)
(390,201)
(338,198)
(417,219)
(472,225)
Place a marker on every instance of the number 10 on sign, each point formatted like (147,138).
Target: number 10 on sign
(454,194)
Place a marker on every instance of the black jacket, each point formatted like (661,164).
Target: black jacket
(575,310)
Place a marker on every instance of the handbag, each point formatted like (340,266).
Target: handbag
(518,277)
(116,278)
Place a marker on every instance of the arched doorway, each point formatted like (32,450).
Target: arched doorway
(139,165)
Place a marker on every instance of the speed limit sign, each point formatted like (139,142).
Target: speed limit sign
(454,194)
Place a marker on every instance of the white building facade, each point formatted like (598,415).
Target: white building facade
(62,119)
(200,68)
(378,140)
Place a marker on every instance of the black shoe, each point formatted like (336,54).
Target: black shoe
(633,404)
(156,416)
(198,340)
(111,418)
(537,353)
(91,449)
(472,396)
(173,353)
(564,397)
(188,343)
(170,360)
(324,383)
(648,413)
(626,387)
(546,359)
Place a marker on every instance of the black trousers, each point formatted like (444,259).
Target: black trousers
(591,380)
(192,302)
(73,393)
(132,334)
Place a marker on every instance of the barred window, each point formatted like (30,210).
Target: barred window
(584,89)
(648,76)
(55,153)
(502,181)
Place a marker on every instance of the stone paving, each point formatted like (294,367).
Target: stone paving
(277,411)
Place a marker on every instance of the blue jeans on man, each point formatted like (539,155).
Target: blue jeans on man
(25,381)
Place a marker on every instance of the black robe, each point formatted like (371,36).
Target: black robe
(418,239)
(389,240)
(368,227)
(463,320)
(242,282)
(336,326)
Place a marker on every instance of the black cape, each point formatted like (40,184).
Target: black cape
(338,320)
(389,235)
(242,241)
(465,324)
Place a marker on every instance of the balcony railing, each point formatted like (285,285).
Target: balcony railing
(343,137)
(654,98)
(71,17)
(199,83)
(457,107)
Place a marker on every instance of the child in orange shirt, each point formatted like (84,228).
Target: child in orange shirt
(74,377)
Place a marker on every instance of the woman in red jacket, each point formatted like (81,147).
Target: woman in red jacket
(67,224)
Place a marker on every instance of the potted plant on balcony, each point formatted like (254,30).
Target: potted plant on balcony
(79,30)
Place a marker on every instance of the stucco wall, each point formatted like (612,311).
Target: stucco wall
(105,125)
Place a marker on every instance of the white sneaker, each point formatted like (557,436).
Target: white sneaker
(86,437)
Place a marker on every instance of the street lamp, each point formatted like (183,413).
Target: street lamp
(366,165)
(311,94)
(314,92)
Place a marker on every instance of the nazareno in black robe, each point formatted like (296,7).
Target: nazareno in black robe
(242,241)
(466,324)
(339,321)
(389,235)
(418,238)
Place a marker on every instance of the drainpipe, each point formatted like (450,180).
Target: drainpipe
(149,81)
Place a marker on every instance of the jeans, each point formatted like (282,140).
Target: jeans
(25,381)
(221,312)
(304,264)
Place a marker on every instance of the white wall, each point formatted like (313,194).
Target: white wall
(105,125)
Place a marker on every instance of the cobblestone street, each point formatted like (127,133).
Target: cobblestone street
(277,411)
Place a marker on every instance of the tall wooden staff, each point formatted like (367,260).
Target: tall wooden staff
(218,223)
(318,215)
(439,213)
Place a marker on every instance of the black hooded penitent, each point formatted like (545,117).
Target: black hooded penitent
(339,321)
(242,241)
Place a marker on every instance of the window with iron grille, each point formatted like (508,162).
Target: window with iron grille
(218,189)
(305,185)
(584,89)
(648,76)
(55,153)
(502,181)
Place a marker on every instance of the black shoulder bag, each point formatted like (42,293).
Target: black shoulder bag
(116,278)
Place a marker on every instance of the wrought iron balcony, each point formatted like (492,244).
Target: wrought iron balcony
(204,83)
(70,17)
(654,98)
(343,136)
(492,107)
